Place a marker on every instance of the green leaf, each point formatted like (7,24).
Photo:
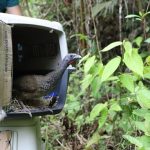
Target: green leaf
(113,78)
(132,16)
(128,47)
(147,71)
(138,41)
(147,40)
(103,117)
(141,112)
(111,46)
(139,125)
(147,13)
(147,125)
(138,19)
(127,82)
(148,60)
(81,36)
(145,140)
(84,58)
(98,7)
(97,69)
(110,68)
(86,81)
(89,63)
(93,140)
(96,110)
(115,107)
(143,97)
(134,62)
(141,13)
(95,85)
(133,140)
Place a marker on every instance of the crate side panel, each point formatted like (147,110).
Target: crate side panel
(6,64)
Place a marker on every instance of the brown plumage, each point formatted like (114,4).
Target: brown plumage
(31,87)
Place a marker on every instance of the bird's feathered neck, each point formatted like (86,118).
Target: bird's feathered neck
(64,64)
(59,70)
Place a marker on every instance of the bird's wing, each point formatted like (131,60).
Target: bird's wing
(25,84)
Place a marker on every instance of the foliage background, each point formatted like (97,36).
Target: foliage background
(108,102)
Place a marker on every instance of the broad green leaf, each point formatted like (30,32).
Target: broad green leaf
(79,120)
(143,97)
(147,75)
(138,41)
(115,107)
(147,13)
(95,85)
(147,40)
(89,63)
(97,69)
(147,125)
(93,140)
(96,110)
(110,68)
(103,117)
(133,140)
(141,112)
(138,19)
(98,7)
(147,72)
(81,36)
(148,60)
(134,62)
(113,78)
(127,82)
(139,125)
(86,81)
(128,47)
(111,46)
(73,105)
(145,140)
(141,13)
(84,58)
(132,16)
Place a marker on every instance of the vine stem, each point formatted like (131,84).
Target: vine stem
(148,6)
(95,32)
(120,23)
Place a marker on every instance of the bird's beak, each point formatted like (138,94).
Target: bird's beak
(77,57)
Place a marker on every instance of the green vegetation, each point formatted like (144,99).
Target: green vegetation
(108,102)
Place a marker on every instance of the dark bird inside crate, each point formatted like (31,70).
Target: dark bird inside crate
(33,87)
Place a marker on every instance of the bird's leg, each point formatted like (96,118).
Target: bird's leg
(52,102)
(25,108)
(47,102)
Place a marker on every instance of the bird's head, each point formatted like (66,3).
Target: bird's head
(71,58)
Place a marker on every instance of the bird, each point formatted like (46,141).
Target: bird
(34,86)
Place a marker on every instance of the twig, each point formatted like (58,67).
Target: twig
(62,145)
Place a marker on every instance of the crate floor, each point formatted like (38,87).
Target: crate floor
(22,108)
